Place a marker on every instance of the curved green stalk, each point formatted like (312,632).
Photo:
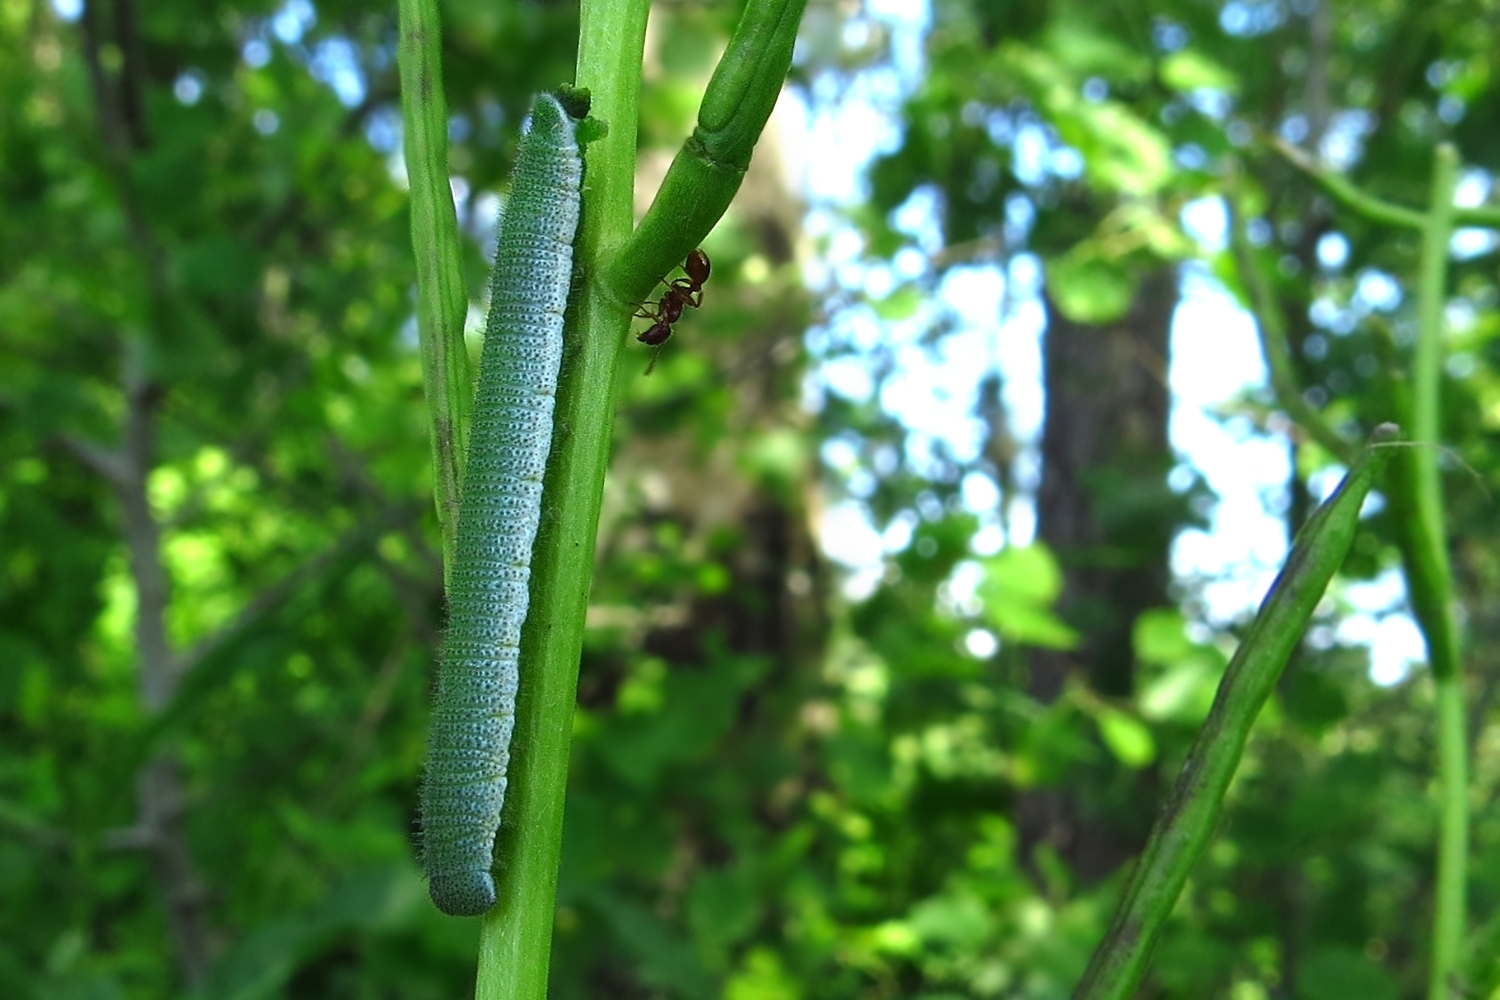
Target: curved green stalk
(1430,577)
(707,171)
(1362,203)
(441,298)
(1417,507)
(1185,825)
(1272,327)
(516,935)
(1343,191)
(1430,582)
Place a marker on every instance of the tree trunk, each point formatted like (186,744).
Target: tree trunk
(1101,511)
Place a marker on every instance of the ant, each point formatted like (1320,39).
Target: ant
(680,294)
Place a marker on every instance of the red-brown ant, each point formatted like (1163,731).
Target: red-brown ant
(680,294)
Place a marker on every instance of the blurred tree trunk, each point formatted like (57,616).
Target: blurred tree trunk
(1105,460)
(118,71)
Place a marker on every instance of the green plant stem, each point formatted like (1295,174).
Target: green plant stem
(1345,193)
(1429,578)
(1450,902)
(1272,326)
(1183,829)
(1482,216)
(1417,503)
(516,936)
(1362,203)
(442,300)
(707,171)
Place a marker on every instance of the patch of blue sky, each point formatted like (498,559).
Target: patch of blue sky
(256,52)
(335,61)
(293,20)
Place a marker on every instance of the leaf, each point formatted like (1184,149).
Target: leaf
(762,977)
(902,303)
(1088,289)
(1337,973)
(961,922)
(1085,52)
(1179,676)
(1121,151)
(1189,70)
(1127,737)
(1018,592)
(723,907)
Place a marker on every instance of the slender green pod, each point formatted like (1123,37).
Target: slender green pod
(1184,827)
(474,712)
(441,298)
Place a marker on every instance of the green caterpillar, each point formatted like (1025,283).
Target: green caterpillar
(474,710)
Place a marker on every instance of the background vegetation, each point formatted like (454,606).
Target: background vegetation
(220,593)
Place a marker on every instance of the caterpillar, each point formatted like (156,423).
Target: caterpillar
(500,507)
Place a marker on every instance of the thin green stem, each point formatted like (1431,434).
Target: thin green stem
(1183,829)
(1453,843)
(1272,326)
(1481,216)
(1374,209)
(707,171)
(1429,578)
(1345,193)
(516,935)
(1437,231)
(441,298)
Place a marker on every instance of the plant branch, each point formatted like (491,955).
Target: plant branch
(106,462)
(442,301)
(1429,578)
(1343,191)
(1183,829)
(159,812)
(1273,341)
(275,596)
(707,171)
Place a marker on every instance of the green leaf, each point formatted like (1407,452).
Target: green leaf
(1088,289)
(1179,676)
(1127,737)
(960,922)
(1121,151)
(723,907)
(1338,973)
(1087,52)
(1020,587)
(1189,70)
(762,977)
(902,303)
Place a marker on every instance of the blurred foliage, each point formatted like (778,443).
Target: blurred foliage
(780,790)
